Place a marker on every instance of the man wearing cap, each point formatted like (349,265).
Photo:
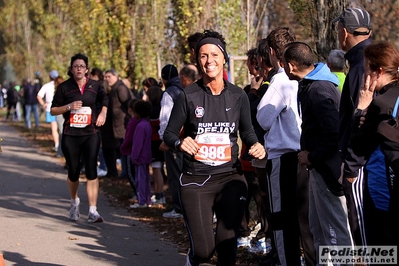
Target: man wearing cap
(173,158)
(354,30)
(45,98)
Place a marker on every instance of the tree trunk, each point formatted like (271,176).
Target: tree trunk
(324,33)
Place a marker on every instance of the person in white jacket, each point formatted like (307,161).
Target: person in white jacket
(45,97)
(278,115)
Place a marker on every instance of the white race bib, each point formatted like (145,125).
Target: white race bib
(214,148)
(81,117)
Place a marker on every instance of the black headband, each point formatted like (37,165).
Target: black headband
(211,40)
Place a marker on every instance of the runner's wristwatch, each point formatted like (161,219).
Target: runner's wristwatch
(359,112)
(68,107)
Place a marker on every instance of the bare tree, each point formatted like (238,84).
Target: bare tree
(316,17)
(384,19)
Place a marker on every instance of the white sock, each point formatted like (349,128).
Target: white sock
(93,209)
(75,201)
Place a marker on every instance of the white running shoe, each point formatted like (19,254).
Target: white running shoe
(101,172)
(138,206)
(74,211)
(244,241)
(160,201)
(172,214)
(94,217)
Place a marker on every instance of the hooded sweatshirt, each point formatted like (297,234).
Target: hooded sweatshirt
(277,114)
(319,102)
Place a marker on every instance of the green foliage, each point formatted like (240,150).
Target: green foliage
(59,29)
(138,37)
(303,11)
(135,37)
(189,17)
(231,27)
(147,39)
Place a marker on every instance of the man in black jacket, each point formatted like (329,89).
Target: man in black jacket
(319,96)
(354,30)
(29,92)
(12,99)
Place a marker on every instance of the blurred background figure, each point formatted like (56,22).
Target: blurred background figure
(119,97)
(29,93)
(45,97)
(154,94)
(337,64)
(97,74)
(12,99)
(3,93)
(173,158)
(18,105)
(59,118)
(188,75)
(147,83)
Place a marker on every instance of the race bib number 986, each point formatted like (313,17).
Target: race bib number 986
(80,118)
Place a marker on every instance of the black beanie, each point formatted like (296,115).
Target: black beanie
(169,71)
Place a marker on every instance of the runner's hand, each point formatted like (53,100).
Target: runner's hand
(189,146)
(76,105)
(258,151)
(101,119)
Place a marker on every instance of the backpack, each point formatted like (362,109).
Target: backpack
(388,131)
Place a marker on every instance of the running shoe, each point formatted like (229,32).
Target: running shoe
(262,246)
(101,172)
(94,217)
(244,241)
(74,212)
(172,214)
(160,201)
(138,206)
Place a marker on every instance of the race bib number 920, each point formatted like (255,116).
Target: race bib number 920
(80,118)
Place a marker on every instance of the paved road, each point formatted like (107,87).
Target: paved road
(34,225)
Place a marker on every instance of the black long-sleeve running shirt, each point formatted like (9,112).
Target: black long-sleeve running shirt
(215,121)
(93,97)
